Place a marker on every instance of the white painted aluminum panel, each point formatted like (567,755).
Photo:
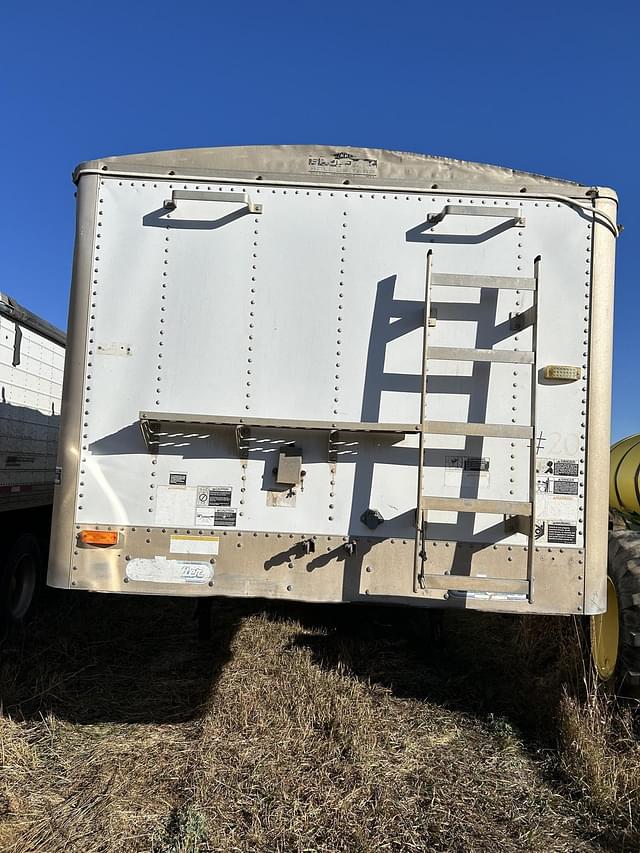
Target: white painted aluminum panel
(313,310)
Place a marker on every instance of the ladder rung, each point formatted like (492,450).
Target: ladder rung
(489,430)
(446,279)
(476,505)
(465,583)
(465,354)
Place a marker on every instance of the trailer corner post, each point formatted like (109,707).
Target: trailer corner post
(599,409)
(61,551)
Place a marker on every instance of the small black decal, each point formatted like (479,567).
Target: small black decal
(177,479)
(224,518)
(18,460)
(220,497)
(468,463)
(213,496)
(476,463)
(565,487)
(565,468)
(560,533)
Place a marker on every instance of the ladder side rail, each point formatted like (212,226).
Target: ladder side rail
(419,548)
(533,450)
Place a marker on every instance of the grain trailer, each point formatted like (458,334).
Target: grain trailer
(337,374)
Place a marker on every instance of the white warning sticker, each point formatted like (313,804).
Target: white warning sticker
(194,545)
(174,505)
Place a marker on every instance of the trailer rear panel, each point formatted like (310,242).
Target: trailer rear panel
(327,378)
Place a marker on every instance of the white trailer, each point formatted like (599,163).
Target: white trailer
(327,374)
(31,368)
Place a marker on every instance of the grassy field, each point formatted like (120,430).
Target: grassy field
(299,728)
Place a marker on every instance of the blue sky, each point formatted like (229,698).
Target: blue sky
(546,87)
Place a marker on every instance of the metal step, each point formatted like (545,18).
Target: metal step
(477,505)
(447,279)
(506,356)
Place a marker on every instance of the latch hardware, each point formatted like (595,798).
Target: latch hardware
(289,471)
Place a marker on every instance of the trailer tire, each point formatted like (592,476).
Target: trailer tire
(19,582)
(622,670)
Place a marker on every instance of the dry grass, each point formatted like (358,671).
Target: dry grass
(600,754)
(306,729)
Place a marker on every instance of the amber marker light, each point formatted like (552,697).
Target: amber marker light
(98,537)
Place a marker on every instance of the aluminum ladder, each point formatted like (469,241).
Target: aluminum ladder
(519,515)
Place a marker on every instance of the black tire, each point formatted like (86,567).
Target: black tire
(20,580)
(624,571)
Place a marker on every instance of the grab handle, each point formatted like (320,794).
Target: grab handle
(194,195)
(467,210)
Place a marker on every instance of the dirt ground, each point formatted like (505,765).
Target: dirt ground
(307,729)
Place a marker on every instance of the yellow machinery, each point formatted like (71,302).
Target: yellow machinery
(624,482)
(615,634)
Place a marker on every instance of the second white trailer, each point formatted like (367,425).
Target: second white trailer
(31,367)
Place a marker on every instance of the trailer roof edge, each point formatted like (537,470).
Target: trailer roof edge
(11,309)
(335,164)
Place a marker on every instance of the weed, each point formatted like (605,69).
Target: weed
(184,832)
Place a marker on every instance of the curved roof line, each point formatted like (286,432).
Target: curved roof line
(334,164)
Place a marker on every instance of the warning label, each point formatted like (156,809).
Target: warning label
(224,518)
(565,468)
(559,533)
(214,496)
(212,517)
(213,507)
(177,479)
(558,467)
(565,487)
